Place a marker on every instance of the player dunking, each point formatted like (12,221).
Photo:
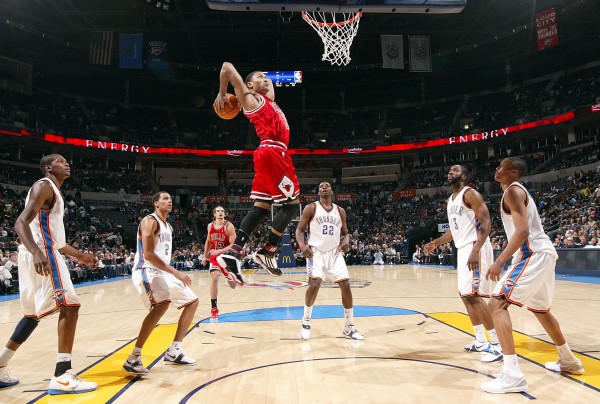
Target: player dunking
(470,226)
(44,281)
(159,284)
(324,250)
(275,177)
(529,280)
(221,234)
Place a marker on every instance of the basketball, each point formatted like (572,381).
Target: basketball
(230,111)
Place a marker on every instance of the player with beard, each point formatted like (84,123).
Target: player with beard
(470,226)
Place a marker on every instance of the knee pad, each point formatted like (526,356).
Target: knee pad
(286,214)
(24,330)
(252,219)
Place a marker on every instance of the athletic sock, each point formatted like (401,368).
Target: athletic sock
(564,351)
(213,303)
(480,333)
(493,336)
(175,345)
(307,313)
(349,315)
(511,364)
(63,363)
(5,356)
(136,351)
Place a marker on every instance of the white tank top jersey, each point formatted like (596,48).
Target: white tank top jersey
(538,240)
(47,226)
(464,226)
(162,245)
(325,228)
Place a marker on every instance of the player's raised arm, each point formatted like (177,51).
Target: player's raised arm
(245,96)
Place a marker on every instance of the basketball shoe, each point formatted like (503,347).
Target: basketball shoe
(573,367)
(506,383)
(305,330)
(214,313)
(6,380)
(477,346)
(135,366)
(268,260)
(232,263)
(70,383)
(178,357)
(352,333)
(494,354)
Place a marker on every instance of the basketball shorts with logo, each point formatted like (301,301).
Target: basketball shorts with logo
(214,265)
(43,295)
(330,264)
(529,282)
(473,282)
(156,286)
(275,177)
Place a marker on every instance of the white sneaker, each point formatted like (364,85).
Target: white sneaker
(178,357)
(135,367)
(70,383)
(6,380)
(477,346)
(573,367)
(305,330)
(494,354)
(353,333)
(506,383)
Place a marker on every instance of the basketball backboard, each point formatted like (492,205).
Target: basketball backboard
(343,6)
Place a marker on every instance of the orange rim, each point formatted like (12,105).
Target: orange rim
(309,20)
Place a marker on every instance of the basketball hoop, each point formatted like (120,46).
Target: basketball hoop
(337,36)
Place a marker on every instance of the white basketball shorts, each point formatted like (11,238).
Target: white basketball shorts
(43,295)
(156,287)
(327,263)
(529,282)
(473,282)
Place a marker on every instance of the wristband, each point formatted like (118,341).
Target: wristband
(302,246)
(501,265)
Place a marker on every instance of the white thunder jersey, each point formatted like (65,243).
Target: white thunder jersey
(162,245)
(325,228)
(47,226)
(464,226)
(538,240)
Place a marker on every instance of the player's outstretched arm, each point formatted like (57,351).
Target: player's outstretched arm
(345,243)
(443,239)
(85,259)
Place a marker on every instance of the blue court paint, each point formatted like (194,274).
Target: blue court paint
(583,279)
(297,312)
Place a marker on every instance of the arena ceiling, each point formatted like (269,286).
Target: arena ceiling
(55,34)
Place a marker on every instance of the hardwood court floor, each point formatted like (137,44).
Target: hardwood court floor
(411,317)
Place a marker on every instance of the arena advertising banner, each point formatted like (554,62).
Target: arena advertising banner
(405,193)
(443,227)
(142,149)
(547,28)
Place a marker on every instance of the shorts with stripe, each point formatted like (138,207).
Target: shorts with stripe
(329,264)
(156,287)
(529,282)
(275,177)
(472,283)
(43,295)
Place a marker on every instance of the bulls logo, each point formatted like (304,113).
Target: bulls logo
(286,186)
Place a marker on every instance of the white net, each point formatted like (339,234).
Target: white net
(337,32)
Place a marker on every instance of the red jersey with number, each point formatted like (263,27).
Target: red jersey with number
(269,121)
(218,236)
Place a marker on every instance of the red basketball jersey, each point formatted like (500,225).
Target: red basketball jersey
(218,236)
(269,121)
